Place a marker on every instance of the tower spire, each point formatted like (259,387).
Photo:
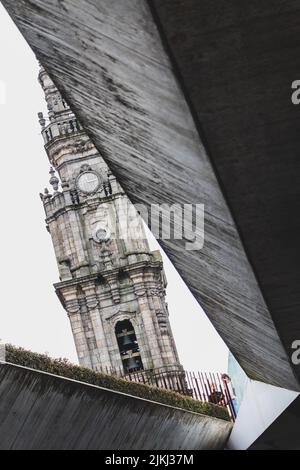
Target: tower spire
(61,120)
(56,104)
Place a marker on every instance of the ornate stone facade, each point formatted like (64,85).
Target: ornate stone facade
(112,286)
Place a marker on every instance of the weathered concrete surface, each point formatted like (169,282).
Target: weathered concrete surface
(42,411)
(237,60)
(108,60)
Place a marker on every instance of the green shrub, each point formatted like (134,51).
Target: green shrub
(63,368)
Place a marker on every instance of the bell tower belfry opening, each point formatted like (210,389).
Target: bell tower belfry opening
(128,347)
(111,286)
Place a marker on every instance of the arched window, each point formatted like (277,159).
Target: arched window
(128,346)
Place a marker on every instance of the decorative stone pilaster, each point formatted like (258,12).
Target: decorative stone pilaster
(147,317)
(169,351)
(72,307)
(112,280)
(101,356)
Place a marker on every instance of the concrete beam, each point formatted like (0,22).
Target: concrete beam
(236,61)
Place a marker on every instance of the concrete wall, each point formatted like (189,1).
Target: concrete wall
(42,411)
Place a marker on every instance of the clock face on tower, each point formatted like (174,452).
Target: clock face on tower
(88,182)
(102,235)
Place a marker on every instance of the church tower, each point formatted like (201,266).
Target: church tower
(111,285)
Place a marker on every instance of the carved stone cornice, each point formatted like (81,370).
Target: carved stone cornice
(72,306)
(141,292)
(156,291)
(90,294)
(81,281)
(92,302)
(122,314)
(163,322)
(112,280)
(139,288)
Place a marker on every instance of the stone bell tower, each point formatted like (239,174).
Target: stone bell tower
(111,285)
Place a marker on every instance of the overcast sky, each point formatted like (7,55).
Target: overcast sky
(31,315)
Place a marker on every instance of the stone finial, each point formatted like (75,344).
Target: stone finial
(42,120)
(54,181)
(46,195)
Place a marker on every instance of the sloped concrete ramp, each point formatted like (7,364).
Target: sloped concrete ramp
(43,411)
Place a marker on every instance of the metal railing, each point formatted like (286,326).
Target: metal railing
(202,386)
(60,129)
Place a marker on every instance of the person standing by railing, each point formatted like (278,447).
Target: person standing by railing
(232,397)
(216,396)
